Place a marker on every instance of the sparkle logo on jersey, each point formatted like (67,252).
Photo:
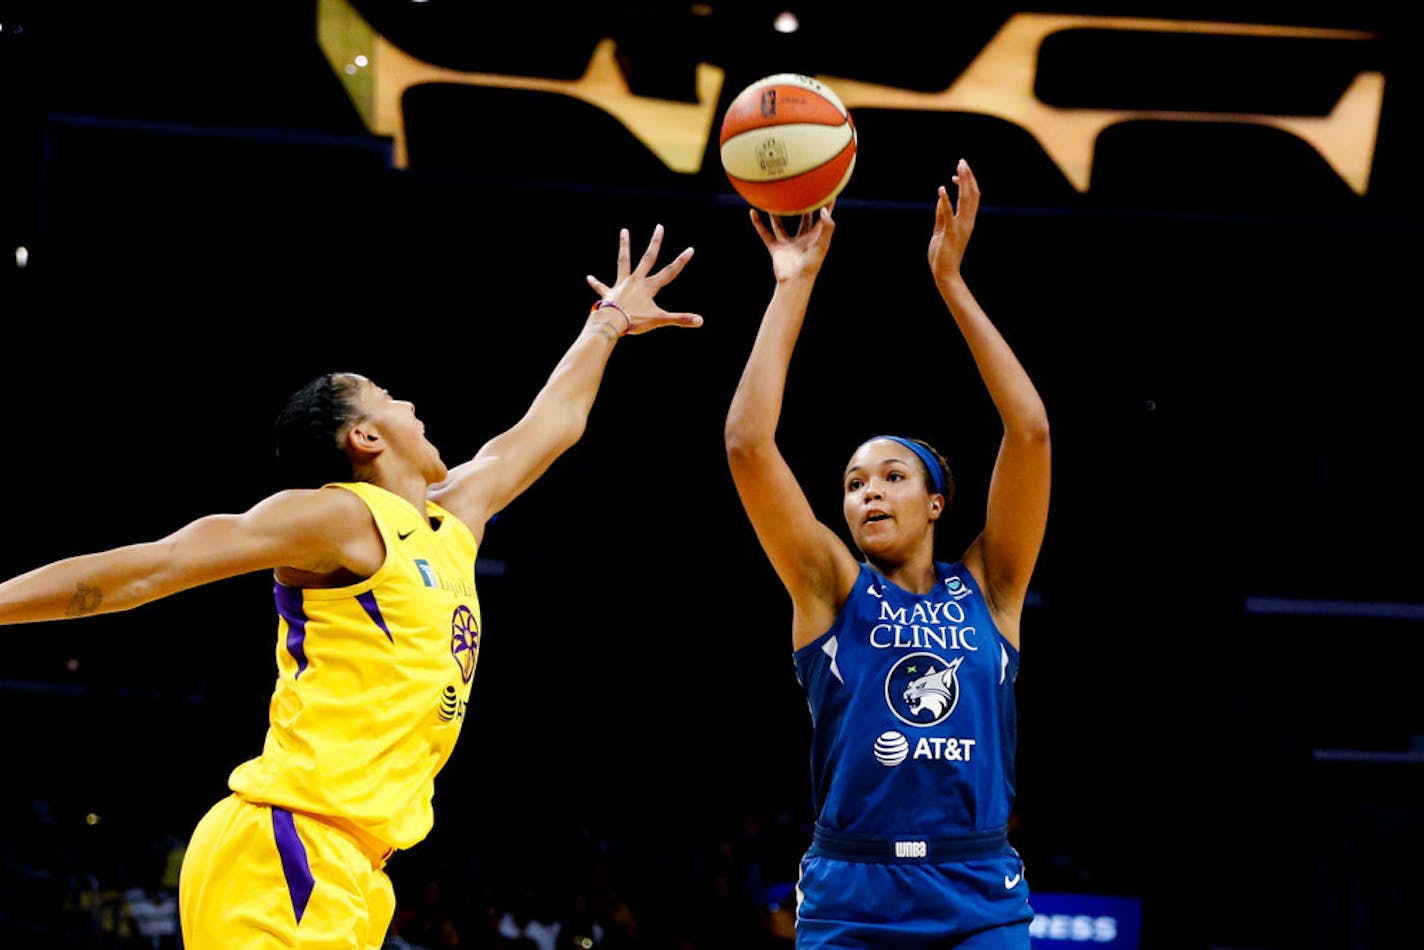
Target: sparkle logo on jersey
(464,640)
(922,689)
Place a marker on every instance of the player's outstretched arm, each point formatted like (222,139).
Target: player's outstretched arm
(315,530)
(510,462)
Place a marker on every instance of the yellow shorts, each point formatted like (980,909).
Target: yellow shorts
(259,877)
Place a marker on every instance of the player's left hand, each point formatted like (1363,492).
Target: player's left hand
(953,225)
(634,288)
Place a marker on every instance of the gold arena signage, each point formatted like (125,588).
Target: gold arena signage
(998,82)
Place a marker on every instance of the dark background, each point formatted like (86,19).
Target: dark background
(1224,335)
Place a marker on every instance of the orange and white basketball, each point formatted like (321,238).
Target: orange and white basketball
(788,144)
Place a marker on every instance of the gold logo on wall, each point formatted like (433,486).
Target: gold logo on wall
(998,82)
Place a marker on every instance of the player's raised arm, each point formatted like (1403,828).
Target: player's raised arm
(510,462)
(814,565)
(1017,510)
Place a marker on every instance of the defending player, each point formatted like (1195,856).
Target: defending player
(373,553)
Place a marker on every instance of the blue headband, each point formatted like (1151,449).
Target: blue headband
(931,463)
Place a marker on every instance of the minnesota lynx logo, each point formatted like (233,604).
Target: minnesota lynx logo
(923,689)
(935,692)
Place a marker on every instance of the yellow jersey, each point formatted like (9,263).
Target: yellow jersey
(373,681)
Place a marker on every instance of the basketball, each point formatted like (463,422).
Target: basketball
(788,144)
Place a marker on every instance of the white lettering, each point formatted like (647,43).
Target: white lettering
(944,749)
(1079,928)
(896,614)
(909,628)
(949,610)
(925,612)
(911,849)
(885,636)
(964,640)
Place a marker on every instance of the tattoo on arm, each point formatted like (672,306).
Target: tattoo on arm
(605,328)
(86,600)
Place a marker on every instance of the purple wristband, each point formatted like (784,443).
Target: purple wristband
(627,320)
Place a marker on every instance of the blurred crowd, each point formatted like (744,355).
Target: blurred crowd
(569,887)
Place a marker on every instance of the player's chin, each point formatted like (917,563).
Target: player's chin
(874,541)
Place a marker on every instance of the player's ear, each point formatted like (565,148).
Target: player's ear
(936,506)
(363,441)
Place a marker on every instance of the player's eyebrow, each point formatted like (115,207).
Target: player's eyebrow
(861,468)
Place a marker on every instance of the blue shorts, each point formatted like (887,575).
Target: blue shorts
(966,893)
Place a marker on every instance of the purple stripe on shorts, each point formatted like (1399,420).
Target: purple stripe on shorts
(289,608)
(294,860)
(373,610)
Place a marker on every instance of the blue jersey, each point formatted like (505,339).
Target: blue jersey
(912,702)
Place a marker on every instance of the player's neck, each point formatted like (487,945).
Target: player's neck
(411,487)
(916,575)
